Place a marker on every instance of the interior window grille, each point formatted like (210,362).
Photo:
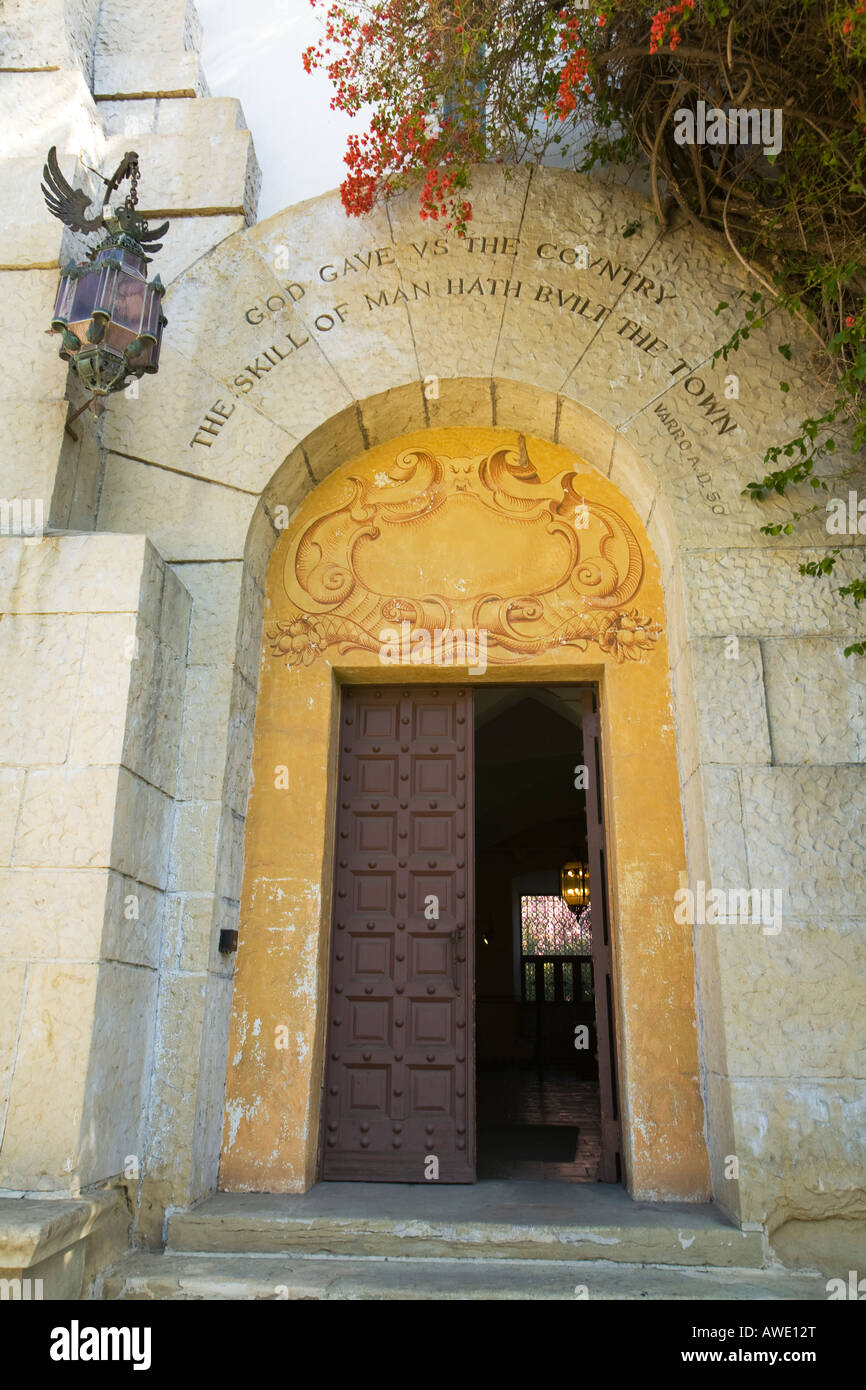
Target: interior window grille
(549,930)
(548,927)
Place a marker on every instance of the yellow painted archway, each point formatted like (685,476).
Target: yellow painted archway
(460,529)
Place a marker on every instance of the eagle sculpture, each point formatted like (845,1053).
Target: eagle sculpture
(71,205)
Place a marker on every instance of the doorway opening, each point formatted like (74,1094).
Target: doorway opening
(468,957)
(537,1066)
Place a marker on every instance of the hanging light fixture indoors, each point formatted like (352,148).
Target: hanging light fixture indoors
(108,314)
(574,884)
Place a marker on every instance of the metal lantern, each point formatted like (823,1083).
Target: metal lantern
(574,884)
(108,314)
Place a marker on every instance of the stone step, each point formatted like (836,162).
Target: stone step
(488,1220)
(221,1276)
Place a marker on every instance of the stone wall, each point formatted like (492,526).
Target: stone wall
(93,649)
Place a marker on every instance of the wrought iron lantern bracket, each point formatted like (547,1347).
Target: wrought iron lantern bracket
(108,314)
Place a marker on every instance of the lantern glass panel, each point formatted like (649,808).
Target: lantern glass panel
(129,302)
(151,313)
(107,291)
(65,296)
(85,296)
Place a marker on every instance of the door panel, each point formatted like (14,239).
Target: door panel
(610,1167)
(399,1084)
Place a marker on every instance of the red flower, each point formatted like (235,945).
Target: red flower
(667,19)
(849,322)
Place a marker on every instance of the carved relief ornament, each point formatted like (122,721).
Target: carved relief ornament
(456,545)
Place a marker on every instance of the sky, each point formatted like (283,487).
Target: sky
(254,54)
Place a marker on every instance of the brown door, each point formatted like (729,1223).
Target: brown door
(610,1167)
(399,1081)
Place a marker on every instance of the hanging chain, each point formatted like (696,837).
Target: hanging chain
(132,196)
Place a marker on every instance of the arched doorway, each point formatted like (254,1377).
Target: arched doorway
(544,573)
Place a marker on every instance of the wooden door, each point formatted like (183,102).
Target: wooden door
(399,1079)
(610,1167)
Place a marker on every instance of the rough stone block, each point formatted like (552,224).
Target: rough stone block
(726,834)
(34,371)
(800,1148)
(180,173)
(632,478)
(13,986)
(466,401)
(155,712)
(760,593)
(67,818)
(230,856)
(240,746)
(194,850)
(73,574)
(190,238)
(819,970)
(133,921)
(187,420)
(187,518)
(804,829)
(147,74)
(41,109)
(34,37)
(729,698)
(215,592)
(40,656)
(816,699)
(11,787)
(834,1245)
(43,1124)
(32,438)
(30,237)
(189,932)
(118,1077)
(207,708)
(142,830)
